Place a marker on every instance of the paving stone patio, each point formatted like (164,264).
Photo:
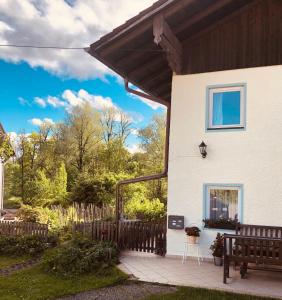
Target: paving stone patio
(152,268)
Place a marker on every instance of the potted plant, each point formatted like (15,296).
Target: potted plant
(217,249)
(192,233)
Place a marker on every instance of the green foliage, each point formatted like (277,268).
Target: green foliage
(28,214)
(81,160)
(6,151)
(13,203)
(98,190)
(22,245)
(43,190)
(153,143)
(184,293)
(141,207)
(217,245)
(80,256)
(34,284)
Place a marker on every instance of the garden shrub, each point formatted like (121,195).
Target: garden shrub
(142,208)
(80,256)
(22,245)
(28,214)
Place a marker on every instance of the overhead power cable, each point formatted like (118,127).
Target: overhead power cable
(43,47)
(75,48)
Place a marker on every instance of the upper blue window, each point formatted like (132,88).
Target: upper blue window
(226,107)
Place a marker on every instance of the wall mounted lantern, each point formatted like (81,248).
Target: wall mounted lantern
(203,149)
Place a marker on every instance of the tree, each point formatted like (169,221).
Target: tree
(153,143)
(80,134)
(115,124)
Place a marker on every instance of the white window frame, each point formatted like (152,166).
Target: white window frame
(221,89)
(237,187)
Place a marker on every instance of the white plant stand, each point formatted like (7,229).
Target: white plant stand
(195,248)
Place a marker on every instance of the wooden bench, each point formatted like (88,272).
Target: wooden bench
(256,244)
(259,231)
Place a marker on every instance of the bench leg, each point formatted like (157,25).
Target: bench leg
(243,270)
(225,270)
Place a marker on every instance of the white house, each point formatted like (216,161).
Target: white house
(216,65)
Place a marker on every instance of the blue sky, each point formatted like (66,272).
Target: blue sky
(38,84)
(22,85)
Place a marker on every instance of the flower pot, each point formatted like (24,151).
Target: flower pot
(191,239)
(218,261)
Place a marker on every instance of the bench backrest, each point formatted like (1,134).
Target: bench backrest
(253,249)
(259,231)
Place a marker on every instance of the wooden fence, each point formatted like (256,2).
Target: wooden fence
(83,213)
(97,230)
(131,235)
(23,228)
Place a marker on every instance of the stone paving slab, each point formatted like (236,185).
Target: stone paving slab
(126,291)
(171,271)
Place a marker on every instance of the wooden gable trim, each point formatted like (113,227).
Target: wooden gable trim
(166,39)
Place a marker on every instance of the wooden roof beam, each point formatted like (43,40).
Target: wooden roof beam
(214,7)
(159,73)
(149,64)
(166,39)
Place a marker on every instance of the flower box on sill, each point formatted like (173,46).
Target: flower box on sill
(221,224)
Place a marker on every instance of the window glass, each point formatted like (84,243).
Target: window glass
(226,108)
(223,204)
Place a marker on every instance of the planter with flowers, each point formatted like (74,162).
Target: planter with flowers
(193,234)
(217,249)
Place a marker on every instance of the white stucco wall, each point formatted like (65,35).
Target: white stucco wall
(252,157)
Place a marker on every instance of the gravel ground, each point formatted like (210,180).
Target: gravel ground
(126,291)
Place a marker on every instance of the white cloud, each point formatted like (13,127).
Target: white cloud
(49,121)
(71,98)
(134,148)
(41,102)
(55,102)
(23,101)
(39,122)
(98,102)
(154,105)
(134,131)
(56,23)
(35,121)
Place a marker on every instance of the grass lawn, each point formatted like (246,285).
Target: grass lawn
(186,293)
(6,261)
(33,284)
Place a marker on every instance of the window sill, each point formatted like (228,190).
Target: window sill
(226,128)
(227,227)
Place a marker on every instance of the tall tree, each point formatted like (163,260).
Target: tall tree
(153,143)
(80,134)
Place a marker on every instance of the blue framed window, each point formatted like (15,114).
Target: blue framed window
(226,107)
(222,205)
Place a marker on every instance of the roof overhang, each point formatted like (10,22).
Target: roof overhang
(147,49)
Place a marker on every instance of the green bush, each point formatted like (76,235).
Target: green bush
(80,256)
(142,208)
(12,203)
(22,245)
(28,214)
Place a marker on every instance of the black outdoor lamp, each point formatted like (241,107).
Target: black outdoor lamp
(203,149)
